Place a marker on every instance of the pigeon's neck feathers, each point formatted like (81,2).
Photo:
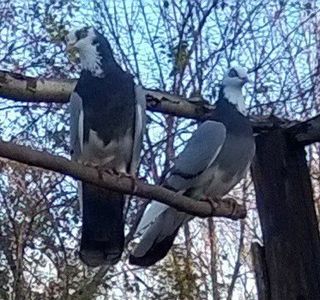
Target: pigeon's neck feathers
(97,58)
(233,94)
(91,60)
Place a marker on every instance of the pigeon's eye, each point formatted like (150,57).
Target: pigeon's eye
(82,33)
(233,73)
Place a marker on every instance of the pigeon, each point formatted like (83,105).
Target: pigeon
(107,123)
(215,159)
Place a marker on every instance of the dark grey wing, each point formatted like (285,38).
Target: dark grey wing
(160,223)
(76,125)
(199,154)
(201,150)
(139,127)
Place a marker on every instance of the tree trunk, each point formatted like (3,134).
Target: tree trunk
(213,260)
(260,269)
(289,225)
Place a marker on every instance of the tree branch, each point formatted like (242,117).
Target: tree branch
(224,208)
(28,89)
(306,132)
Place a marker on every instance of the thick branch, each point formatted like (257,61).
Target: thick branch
(27,89)
(224,208)
(306,132)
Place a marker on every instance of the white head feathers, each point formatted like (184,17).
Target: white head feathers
(232,82)
(84,40)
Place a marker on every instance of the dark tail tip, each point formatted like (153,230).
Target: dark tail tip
(98,253)
(102,238)
(142,261)
(157,252)
(92,258)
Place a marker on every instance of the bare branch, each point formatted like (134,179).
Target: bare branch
(306,132)
(28,89)
(224,208)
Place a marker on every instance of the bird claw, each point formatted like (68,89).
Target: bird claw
(100,172)
(112,172)
(180,193)
(133,179)
(213,201)
(87,163)
(119,174)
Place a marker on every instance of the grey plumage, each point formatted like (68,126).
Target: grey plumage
(107,123)
(215,159)
(75,108)
(198,155)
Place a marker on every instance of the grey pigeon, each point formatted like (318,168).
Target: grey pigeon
(216,157)
(107,122)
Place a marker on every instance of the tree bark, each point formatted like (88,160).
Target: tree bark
(289,225)
(260,269)
(227,207)
(213,260)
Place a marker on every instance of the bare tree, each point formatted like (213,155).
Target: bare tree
(180,47)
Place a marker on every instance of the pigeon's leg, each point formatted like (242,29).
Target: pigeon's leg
(236,210)
(112,171)
(124,174)
(213,201)
(133,178)
(96,165)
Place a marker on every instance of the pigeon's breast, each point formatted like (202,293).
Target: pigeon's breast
(115,154)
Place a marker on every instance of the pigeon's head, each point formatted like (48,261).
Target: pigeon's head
(232,84)
(93,48)
(236,77)
(81,39)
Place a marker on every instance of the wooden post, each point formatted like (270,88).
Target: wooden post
(288,220)
(260,269)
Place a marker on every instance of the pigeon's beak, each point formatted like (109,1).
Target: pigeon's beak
(246,80)
(71,46)
(72,50)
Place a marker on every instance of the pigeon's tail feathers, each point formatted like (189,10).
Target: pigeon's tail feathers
(102,239)
(152,212)
(158,238)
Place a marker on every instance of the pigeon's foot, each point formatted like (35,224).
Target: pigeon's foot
(91,164)
(213,201)
(120,174)
(115,172)
(112,171)
(180,193)
(133,179)
(88,163)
